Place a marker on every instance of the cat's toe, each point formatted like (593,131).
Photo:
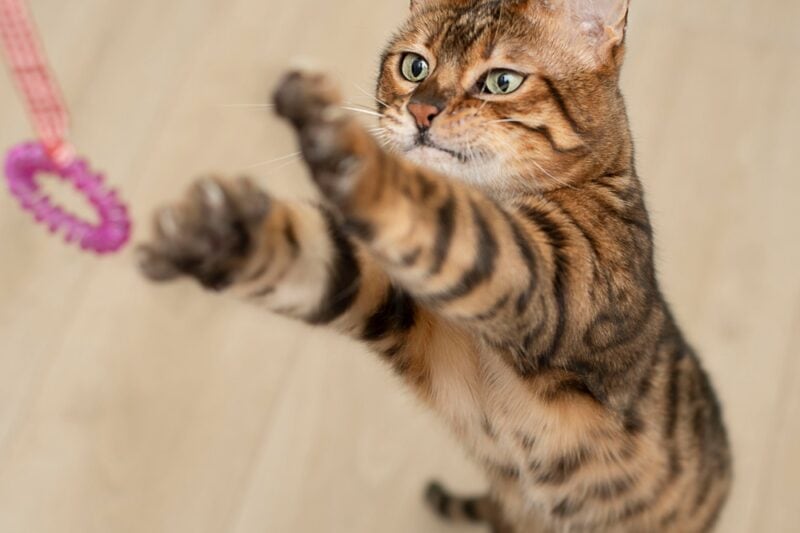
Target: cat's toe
(303,97)
(208,236)
(156,265)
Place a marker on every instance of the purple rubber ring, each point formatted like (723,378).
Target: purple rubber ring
(25,161)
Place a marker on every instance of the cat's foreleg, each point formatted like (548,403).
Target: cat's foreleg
(292,258)
(451,246)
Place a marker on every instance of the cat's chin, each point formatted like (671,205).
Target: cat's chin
(436,159)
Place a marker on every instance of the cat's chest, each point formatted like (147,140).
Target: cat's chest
(498,416)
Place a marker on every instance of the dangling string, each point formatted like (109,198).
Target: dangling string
(53,154)
(31,72)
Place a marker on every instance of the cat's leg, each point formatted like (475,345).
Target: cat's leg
(487,267)
(291,258)
(480,509)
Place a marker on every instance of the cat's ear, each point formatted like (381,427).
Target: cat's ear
(599,26)
(603,23)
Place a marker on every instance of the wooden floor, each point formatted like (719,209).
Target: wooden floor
(127,408)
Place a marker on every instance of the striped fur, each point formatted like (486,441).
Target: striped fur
(506,273)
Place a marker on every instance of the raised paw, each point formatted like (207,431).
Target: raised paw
(208,236)
(307,97)
(335,146)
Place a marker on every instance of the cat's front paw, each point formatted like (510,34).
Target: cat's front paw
(335,146)
(208,236)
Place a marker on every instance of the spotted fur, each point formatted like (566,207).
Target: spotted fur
(500,260)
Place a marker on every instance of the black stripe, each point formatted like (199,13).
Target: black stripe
(587,236)
(567,507)
(567,386)
(713,517)
(671,518)
(344,280)
(703,490)
(527,441)
(632,421)
(624,215)
(504,471)
(636,507)
(444,234)
(397,313)
(483,267)
(394,350)
(260,293)
(443,505)
(653,361)
(360,228)
(411,258)
(291,238)
(492,312)
(470,510)
(426,186)
(563,469)
(528,257)
(545,132)
(486,425)
(388,177)
(557,241)
(463,32)
(562,105)
(613,488)
(673,393)
(626,327)
(257,273)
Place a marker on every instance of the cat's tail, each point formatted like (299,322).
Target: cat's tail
(457,509)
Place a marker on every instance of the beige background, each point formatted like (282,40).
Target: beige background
(127,408)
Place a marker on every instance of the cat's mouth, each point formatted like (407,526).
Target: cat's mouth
(423,140)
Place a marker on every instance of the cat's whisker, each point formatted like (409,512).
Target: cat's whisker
(366,93)
(549,175)
(363,111)
(290,157)
(361,106)
(481,107)
(247,106)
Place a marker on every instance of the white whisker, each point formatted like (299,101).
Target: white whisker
(361,106)
(370,95)
(557,180)
(283,165)
(364,111)
(276,160)
(481,107)
(247,106)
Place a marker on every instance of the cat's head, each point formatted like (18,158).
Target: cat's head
(498,92)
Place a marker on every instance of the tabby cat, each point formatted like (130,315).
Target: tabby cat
(497,254)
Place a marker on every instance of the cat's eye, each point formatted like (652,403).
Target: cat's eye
(414,67)
(502,82)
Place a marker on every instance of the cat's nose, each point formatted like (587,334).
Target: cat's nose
(423,114)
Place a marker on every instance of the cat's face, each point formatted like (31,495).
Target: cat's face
(501,92)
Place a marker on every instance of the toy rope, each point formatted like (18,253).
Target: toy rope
(52,154)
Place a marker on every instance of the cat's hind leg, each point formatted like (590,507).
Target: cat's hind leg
(479,509)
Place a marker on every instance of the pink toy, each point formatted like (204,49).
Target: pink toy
(53,154)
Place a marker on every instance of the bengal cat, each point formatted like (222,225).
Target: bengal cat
(498,255)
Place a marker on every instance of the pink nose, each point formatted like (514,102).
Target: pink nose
(423,114)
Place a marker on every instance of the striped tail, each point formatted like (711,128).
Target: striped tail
(457,509)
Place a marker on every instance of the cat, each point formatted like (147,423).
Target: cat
(497,253)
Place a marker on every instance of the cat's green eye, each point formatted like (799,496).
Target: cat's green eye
(414,67)
(502,82)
